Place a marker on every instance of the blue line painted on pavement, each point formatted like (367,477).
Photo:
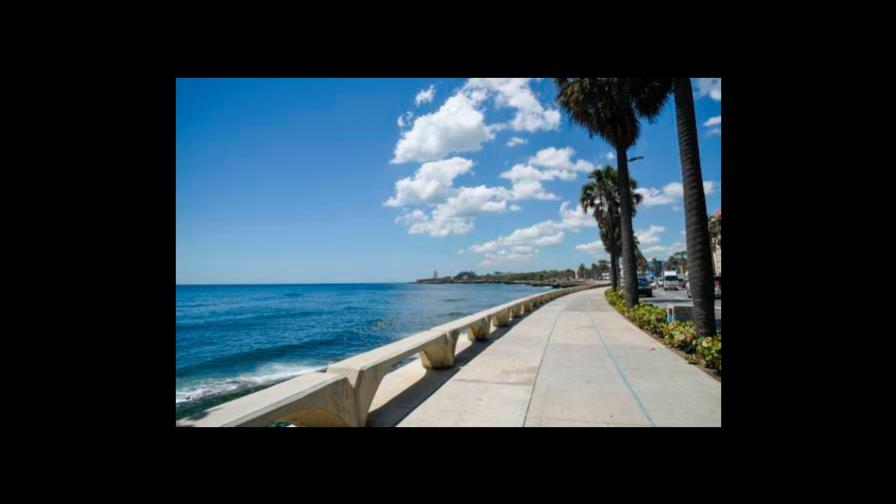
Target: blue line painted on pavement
(619,370)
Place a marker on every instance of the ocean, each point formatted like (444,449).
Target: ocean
(235,339)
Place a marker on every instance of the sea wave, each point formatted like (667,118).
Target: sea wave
(265,375)
(311,347)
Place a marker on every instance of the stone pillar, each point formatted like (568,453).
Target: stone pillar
(502,318)
(440,355)
(479,330)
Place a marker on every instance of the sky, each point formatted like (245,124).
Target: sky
(389,180)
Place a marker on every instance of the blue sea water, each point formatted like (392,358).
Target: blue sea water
(231,339)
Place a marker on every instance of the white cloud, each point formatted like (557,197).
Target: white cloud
(452,209)
(404,120)
(671,193)
(653,197)
(425,95)
(714,131)
(526,182)
(515,93)
(543,234)
(649,235)
(455,214)
(610,156)
(712,121)
(663,251)
(560,159)
(711,87)
(595,248)
(674,189)
(430,184)
(514,141)
(456,127)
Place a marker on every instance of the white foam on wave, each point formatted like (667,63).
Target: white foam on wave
(268,373)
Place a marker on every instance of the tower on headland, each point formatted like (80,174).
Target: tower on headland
(435,275)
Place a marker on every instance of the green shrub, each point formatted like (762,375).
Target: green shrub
(711,348)
(681,335)
(616,299)
(649,317)
(678,334)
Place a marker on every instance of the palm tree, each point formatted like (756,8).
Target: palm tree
(601,195)
(642,261)
(699,253)
(612,109)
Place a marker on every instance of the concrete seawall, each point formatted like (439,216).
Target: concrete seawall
(343,394)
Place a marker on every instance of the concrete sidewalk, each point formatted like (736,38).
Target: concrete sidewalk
(574,362)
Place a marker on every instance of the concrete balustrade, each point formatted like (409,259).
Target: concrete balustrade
(501,318)
(365,371)
(312,399)
(479,330)
(342,395)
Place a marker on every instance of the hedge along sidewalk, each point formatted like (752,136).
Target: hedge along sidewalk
(680,337)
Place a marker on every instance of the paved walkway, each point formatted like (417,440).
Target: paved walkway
(574,362)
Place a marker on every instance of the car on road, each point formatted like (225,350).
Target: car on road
(717,286)
(670,280)
(644,287)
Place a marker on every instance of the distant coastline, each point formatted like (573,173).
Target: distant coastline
(546,278)
(532,283)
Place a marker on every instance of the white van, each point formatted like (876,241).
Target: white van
(670,280)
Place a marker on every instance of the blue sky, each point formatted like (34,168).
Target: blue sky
(386,180)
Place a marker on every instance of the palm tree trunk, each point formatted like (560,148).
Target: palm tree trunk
(614,276)
(614,271)
(629,268)
(696,223)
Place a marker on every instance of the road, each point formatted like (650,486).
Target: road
(679,297)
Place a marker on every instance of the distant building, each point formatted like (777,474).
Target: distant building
(435,274)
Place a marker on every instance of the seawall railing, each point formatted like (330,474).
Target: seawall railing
(341,395)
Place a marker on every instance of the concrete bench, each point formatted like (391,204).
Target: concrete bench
(312,399)
(343,394)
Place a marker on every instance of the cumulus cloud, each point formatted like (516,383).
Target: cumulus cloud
(530,116)
(547,164)
(670,193)
(543,234)
(649,235)
(459,124)
(595,248)
(709,87)
(418,222)
(431,183)
(456,127)
(425,95)
(526,182)
(663,251)
(404,120)
(455,215)
(451,210)
(610,156)
(712,121)
(514,141)
(560,159)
